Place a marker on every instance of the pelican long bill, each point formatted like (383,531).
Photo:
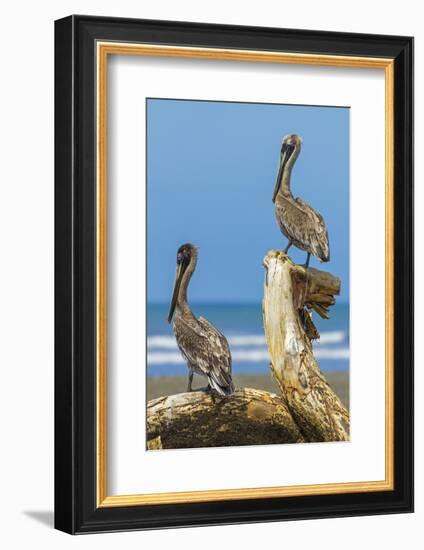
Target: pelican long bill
(178,278)
(286,152)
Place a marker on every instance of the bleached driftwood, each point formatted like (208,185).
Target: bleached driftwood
(289,291)
(199,419)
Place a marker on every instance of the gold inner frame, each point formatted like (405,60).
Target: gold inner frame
(104,49)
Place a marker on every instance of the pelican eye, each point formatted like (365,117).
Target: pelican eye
(180,258)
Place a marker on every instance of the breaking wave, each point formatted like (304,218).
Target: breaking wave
(245,348)
(168,342)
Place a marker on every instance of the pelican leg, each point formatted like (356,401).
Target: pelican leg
(287,247)
(307,260)
(190,380)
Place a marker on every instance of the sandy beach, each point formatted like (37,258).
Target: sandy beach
(158,386)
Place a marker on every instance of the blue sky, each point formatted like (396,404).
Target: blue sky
(211,169)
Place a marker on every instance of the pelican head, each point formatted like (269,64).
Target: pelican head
(290,149)
(186,261)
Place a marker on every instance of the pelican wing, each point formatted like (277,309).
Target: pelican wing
(206,350)
(303,226)
(220,355)
(319,236)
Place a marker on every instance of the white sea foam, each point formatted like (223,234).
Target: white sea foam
(163,342)
(243,340)
(246,355)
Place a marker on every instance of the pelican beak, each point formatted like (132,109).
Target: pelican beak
(286,152)
(178,277)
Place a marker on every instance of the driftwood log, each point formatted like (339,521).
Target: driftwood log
(288,289)
(200,419)
(307,410)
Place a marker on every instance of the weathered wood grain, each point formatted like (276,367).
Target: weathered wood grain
(200,419)
(315,407)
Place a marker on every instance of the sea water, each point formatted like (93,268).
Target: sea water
(243,327)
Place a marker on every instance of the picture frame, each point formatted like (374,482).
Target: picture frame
(83,45)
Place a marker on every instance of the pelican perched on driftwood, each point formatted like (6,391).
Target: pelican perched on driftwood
(201,344)
(299,222)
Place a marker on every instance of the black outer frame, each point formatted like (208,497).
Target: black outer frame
(75,275)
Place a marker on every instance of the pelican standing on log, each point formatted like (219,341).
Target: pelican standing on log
(201,344)
(299,222)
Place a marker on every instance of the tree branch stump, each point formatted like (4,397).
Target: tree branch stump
(199,419)
(288,288)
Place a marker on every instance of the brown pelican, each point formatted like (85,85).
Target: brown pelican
(201,344)
(299,222)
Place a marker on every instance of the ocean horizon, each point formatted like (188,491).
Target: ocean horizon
(242,325)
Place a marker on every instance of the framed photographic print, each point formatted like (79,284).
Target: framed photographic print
(234,269)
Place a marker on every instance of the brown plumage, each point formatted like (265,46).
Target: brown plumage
(300,223)
(201,344)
